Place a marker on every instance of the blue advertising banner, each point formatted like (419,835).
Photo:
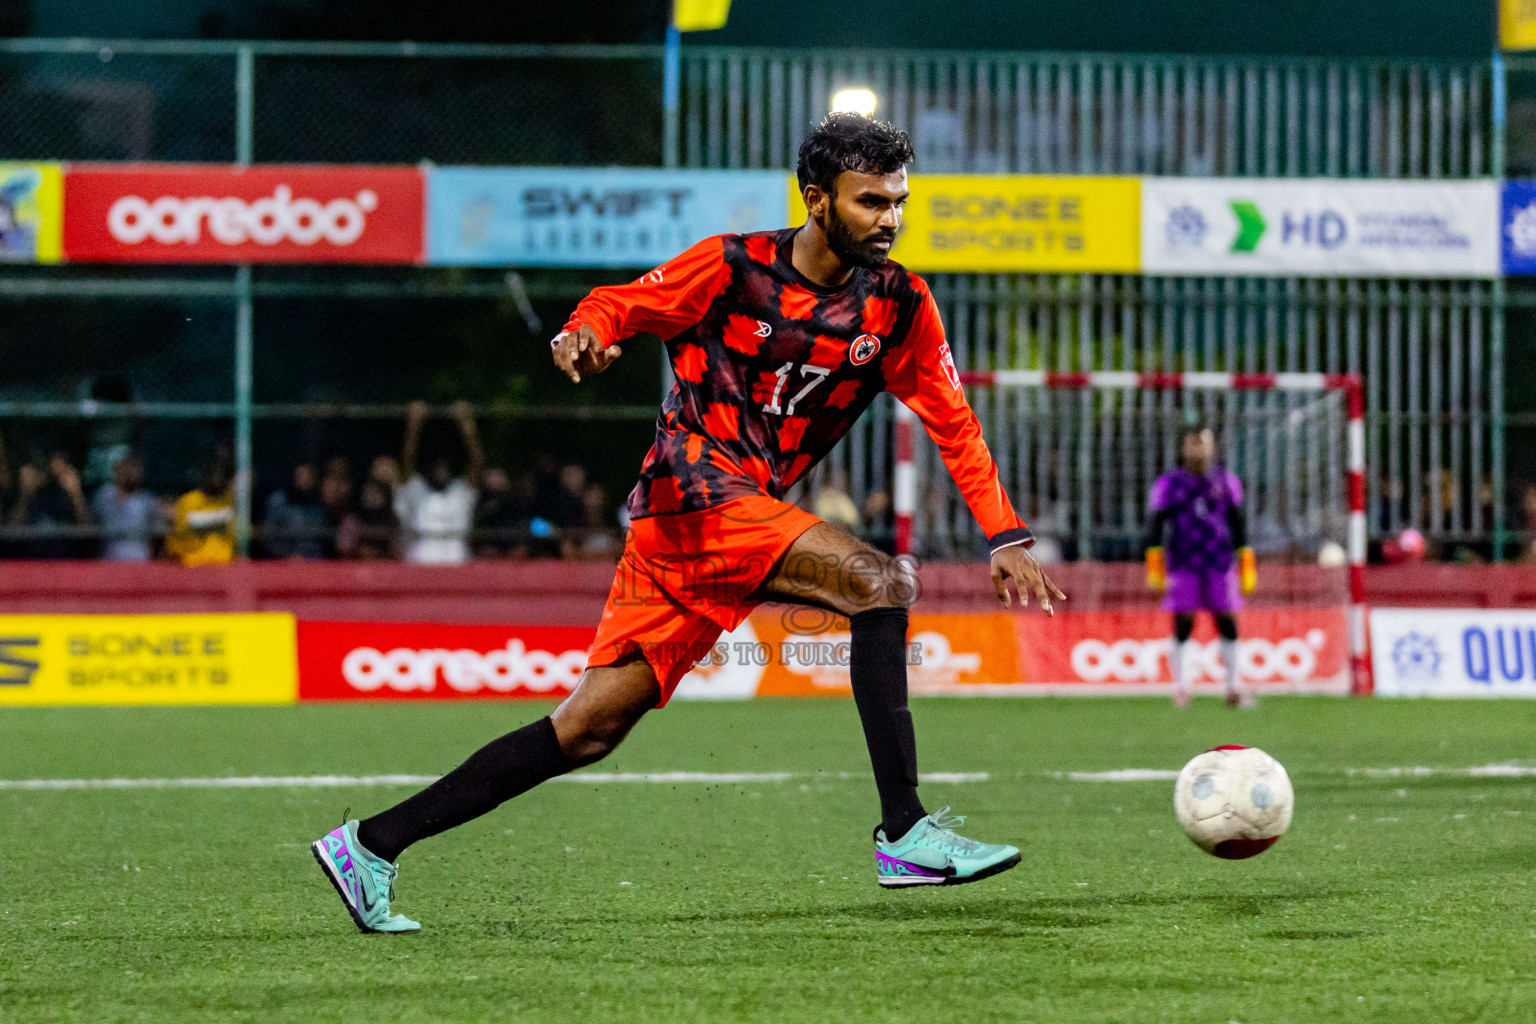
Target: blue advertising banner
(1517,227)
(1459,652)
(590,217)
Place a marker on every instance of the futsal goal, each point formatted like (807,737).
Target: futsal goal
(1079,451)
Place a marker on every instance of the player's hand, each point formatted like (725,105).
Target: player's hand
(1017,564)
(1157,570)
(1247,570)
(579,351)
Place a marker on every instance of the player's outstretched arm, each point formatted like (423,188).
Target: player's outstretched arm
(579,351)
(1017,564)
(928,384)
(667,300)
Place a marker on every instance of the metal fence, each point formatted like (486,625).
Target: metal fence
(1425,350)
(1432,352)
(1104,113)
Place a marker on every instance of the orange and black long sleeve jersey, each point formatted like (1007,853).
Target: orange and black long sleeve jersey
(772,370)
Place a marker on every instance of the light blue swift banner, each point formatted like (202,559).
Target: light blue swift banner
(591,217)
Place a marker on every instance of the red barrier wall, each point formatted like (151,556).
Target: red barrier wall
(572,593)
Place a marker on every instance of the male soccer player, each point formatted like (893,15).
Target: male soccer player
(1197,507)
(778,341)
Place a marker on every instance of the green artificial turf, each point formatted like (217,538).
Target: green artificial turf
(1401,898)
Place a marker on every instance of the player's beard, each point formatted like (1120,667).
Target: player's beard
(855,252)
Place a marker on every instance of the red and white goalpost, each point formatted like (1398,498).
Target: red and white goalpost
(905,496)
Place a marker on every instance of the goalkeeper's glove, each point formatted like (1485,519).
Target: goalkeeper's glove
(1157,571)
(1247,570)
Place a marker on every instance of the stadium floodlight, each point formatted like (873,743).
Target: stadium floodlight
(855,100)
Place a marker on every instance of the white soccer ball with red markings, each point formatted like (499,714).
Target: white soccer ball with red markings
(1234,802)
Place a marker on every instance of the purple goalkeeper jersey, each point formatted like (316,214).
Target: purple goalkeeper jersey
(1197,511)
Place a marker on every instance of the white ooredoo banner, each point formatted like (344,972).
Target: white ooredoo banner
(1320,226)
(1472,652)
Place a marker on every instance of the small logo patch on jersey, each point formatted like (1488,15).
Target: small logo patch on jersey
(655,277)
(764,329)
(947,361)
(864,348)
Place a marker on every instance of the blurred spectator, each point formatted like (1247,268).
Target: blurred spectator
(1408,546)
(1389,495)
(335,502)
(6,493)
(203,523)
(504,515)
(546,476)
(49,504)
(372,532)
(386,470)
(294,520)
(1528,523)
(563,505)
(595,539)
(834,505)
(1513,506)
(128,516)
(108,437)
(436,509)
(1439,496)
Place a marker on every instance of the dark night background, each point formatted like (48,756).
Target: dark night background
(1385,27)
(453,348)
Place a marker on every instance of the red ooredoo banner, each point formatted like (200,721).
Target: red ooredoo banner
(192,213)
(1295,649)
(427,661)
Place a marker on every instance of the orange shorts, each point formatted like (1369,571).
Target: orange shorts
(685,578)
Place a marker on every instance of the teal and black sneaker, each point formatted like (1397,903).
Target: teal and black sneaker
(365,883)
(931,853)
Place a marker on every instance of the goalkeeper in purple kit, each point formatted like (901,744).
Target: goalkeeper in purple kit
(1197,551)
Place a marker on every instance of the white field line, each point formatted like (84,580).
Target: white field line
(1508,771)
(349,781)
(706,778)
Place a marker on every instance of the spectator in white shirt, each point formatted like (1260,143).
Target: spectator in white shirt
(129,516)
(436,509)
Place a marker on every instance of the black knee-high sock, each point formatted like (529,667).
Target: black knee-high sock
(878,665)
(494,774)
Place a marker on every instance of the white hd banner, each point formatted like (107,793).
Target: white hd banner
(1471,652)
(1323,227)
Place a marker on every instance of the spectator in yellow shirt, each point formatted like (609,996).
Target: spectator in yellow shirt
(203,529)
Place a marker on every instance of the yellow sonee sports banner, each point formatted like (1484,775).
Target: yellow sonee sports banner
(1517,24)
(148,659)
(984,223)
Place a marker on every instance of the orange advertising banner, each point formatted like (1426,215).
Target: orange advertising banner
(799,652)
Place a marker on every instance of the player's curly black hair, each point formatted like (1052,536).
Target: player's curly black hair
(850,142)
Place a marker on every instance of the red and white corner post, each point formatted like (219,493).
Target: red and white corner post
(1362,683)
